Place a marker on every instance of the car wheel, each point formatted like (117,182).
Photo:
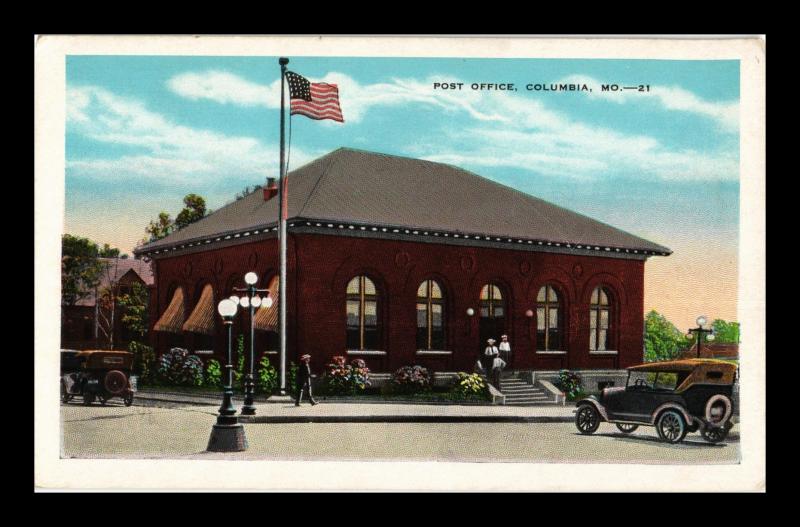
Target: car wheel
(587,419)
(714,434)
(671,427)
(102,399)
(88,398)
(128,400)
(626,428)
(65,397)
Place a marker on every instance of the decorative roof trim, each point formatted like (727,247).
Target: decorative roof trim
(366,229)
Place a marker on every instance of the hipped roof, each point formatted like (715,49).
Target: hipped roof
(355,186)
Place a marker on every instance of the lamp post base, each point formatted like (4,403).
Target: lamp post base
(227,438)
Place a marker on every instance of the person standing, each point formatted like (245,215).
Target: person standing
(489,355)
(304,380)
(505,349)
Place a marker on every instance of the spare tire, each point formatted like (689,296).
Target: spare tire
(718,409)
(115,382)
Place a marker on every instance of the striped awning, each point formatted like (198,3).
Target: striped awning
(266,318)
(172,319)
(202,318)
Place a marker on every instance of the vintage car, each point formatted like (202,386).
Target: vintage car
(97,374)
(677,397)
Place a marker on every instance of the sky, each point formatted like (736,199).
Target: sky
(142,132)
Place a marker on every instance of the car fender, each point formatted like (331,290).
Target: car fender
(599,407)
(688,419)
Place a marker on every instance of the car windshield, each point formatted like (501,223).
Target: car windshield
(653,380)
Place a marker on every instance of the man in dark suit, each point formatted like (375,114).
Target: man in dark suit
(304,380)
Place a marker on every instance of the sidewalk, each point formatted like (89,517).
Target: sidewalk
(407,413)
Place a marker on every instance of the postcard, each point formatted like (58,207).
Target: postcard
(372,263)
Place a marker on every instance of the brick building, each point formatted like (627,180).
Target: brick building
(401,261)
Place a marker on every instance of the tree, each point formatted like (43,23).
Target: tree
(81,268)
(725,332)
(135,318)
(195,209)
(110,252)
(247,191)
(161,227)
(662,340)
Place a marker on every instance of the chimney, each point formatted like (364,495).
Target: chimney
(271,190)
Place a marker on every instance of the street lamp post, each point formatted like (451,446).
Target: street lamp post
(252,301)
(700,331)
(227,435)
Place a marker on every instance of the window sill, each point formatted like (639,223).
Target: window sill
(603,352)
(551,352)
(203,352)
(366,352)
(434,352)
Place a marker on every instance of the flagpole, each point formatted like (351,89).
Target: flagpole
(282,202)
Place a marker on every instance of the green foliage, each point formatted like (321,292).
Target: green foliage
(410,379)
(570,383)
(238,371)
(345,379)
(291,378)
(161,227)
(81,270)
(178,367)
(725,332)
(662,340)
(144,361)
(267,378)
(110,252)
(213,373)
(195,209)
(470,385)
(135,309)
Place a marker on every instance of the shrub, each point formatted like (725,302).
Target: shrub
(411,379)
(267,378)
(178,367)
(470,385)
(213,373)
(345,379)
(144,361)
(570,383)
(291,378)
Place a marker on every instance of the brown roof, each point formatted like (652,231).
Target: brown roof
(116,268)
(355,186)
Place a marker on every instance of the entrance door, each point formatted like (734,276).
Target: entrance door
(492,322)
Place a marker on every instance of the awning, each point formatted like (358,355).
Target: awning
(202,318)
(172,319)
(266,318)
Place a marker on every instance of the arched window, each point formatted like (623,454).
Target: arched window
(363,326)
(548,320)
(599,320)
(491,302)
(430,316)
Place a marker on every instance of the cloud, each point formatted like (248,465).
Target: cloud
(672,98)
(355,98)
(159,150)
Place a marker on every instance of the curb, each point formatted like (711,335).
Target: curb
(286,419)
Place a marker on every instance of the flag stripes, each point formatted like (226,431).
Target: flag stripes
(318,100)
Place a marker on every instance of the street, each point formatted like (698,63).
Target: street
(116,431)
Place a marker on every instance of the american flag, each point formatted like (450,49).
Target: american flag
(317,100)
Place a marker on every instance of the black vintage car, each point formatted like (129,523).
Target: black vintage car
(97,374)
(677,397)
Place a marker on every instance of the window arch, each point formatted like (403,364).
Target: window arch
(492,305)
(548,319)
(430,316)
(600,319)
(363,322)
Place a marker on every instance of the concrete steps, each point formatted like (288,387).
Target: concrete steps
(519,392)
